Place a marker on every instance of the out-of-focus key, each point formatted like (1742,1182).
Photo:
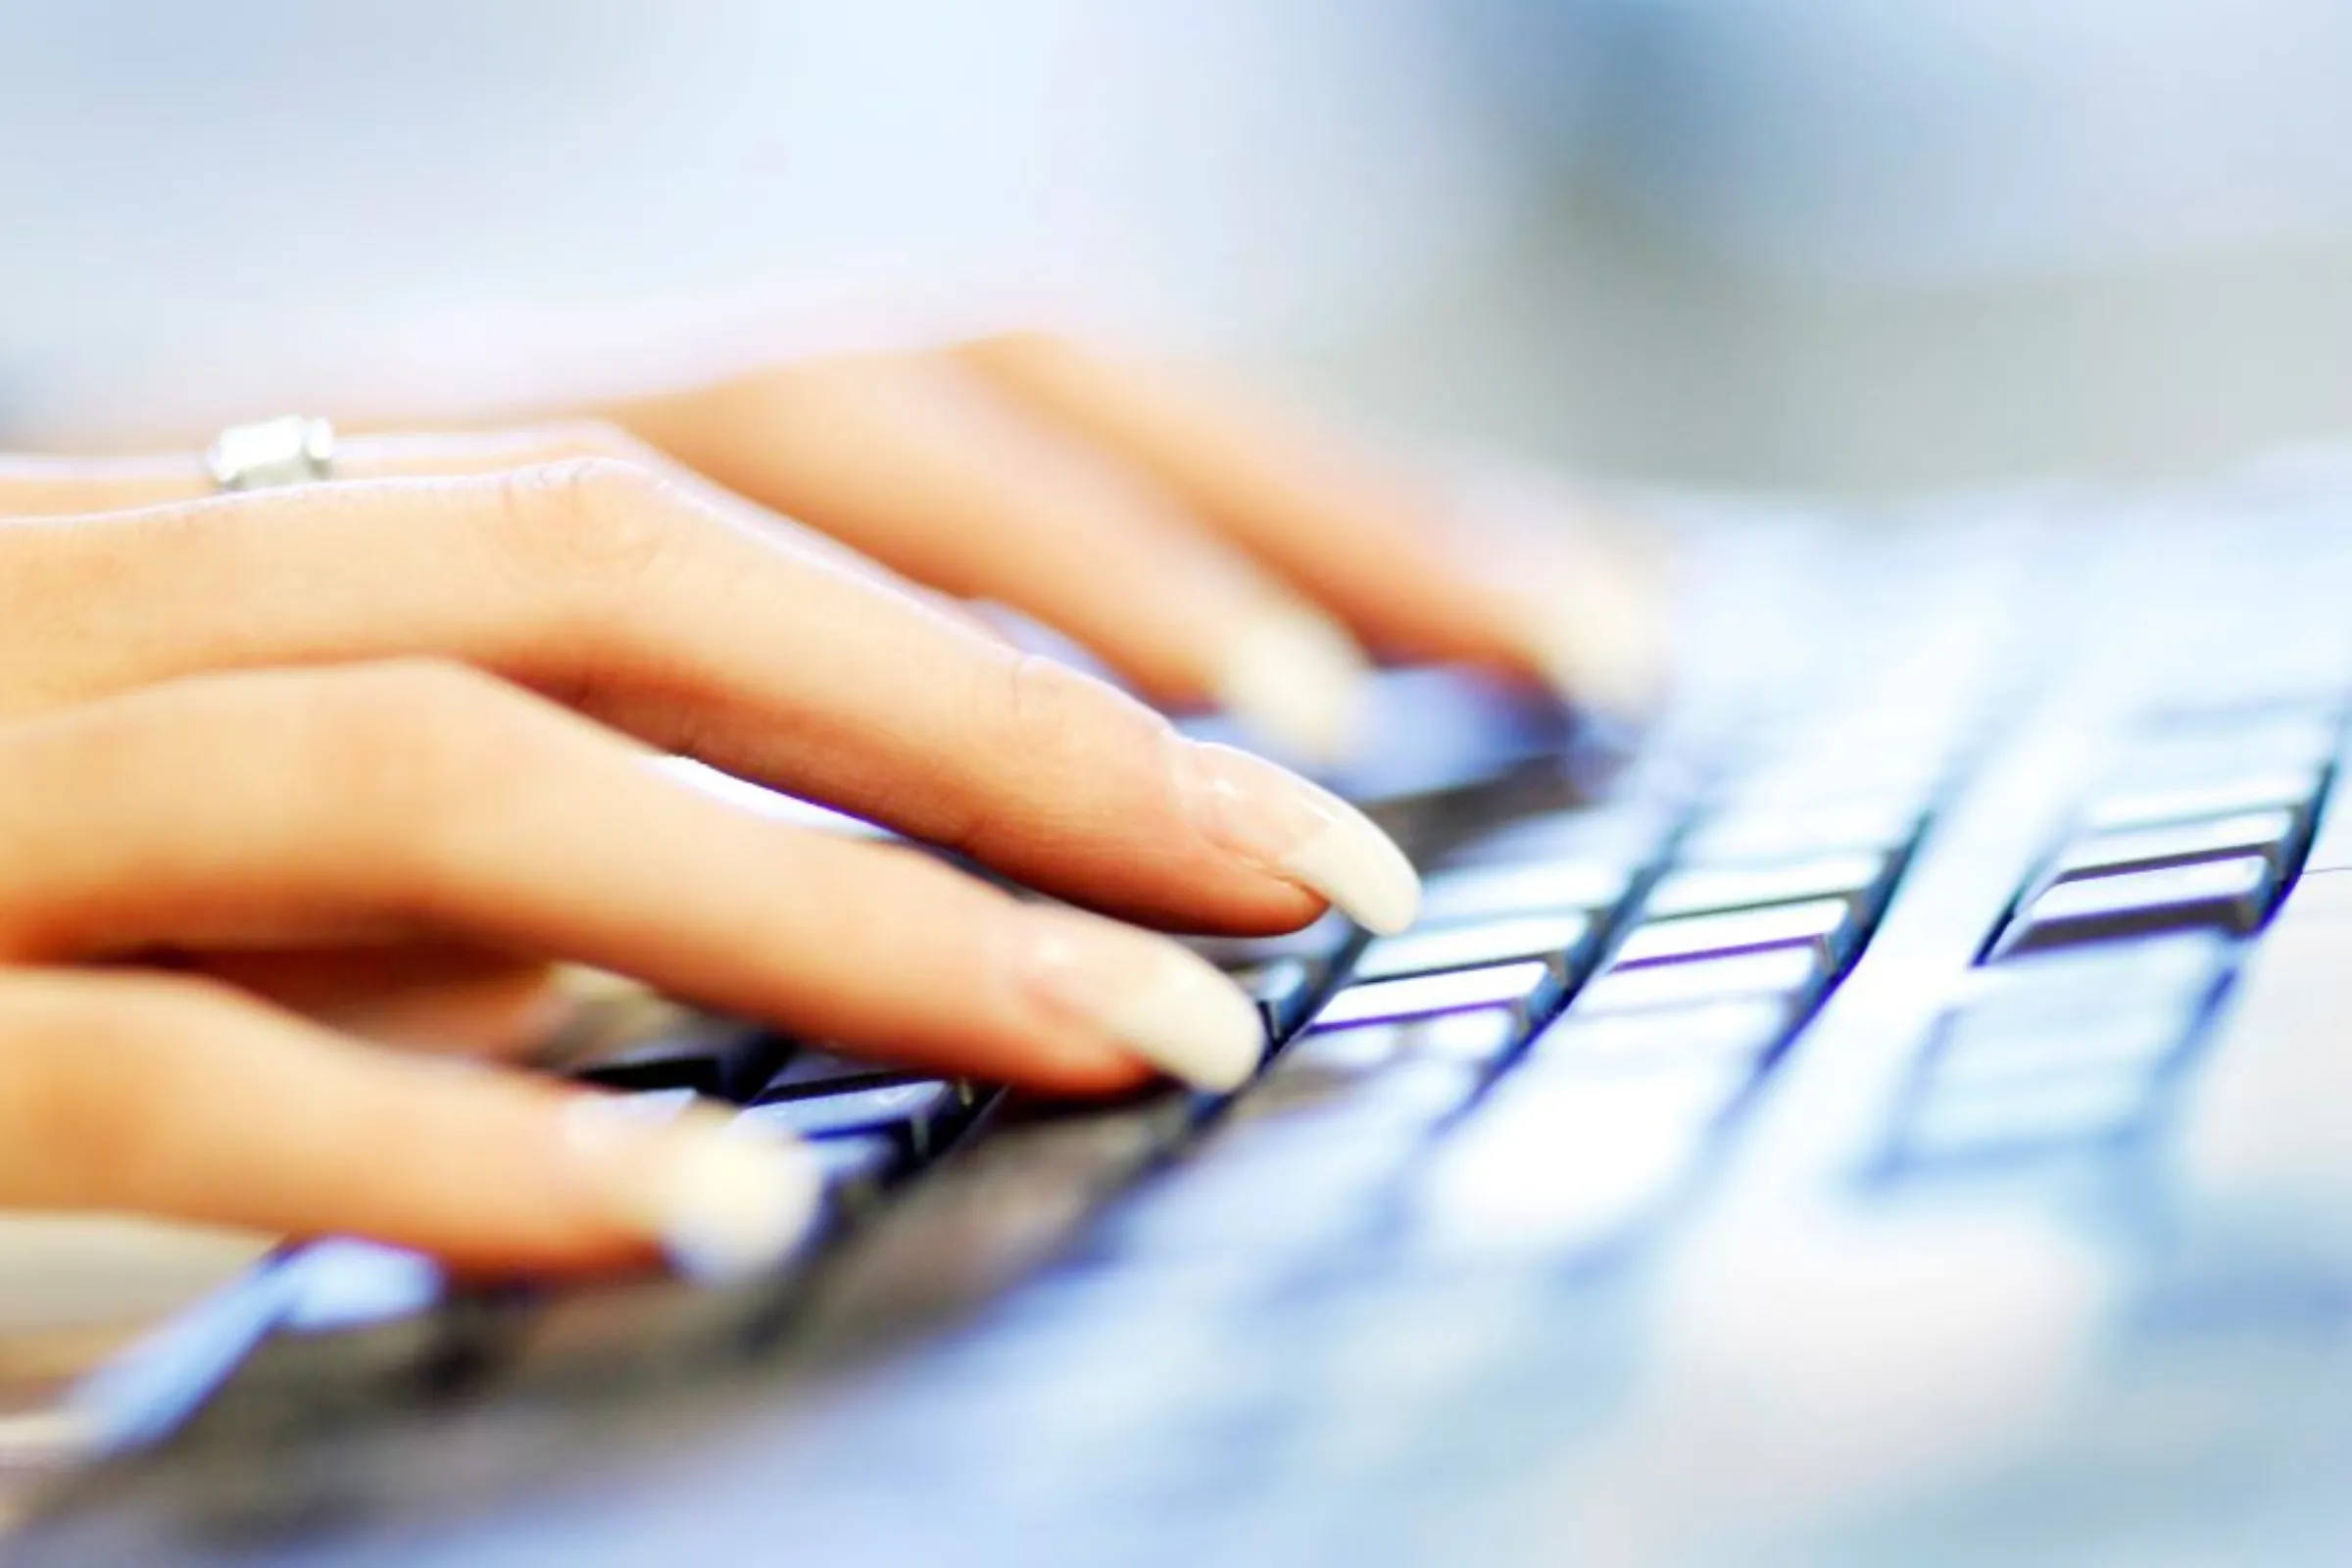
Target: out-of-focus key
(2227,894)
(1706,888)
(1315,945)
(2250,792)
(1966,1121)
(1523,990)
(1988,1050)
(1821,928)
(1777,972)
(1556,1168)
(1786,833)
(1556,939)
(1741,1031)
(918,1112)
(1281,988)
(2265,1156)
(2263,833)
(1481,893)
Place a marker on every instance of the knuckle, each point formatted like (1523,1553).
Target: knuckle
(592,530)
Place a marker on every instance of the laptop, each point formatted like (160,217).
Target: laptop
(1896,1108)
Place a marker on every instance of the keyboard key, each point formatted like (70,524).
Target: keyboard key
(1788,833)
(1987,1049)
(1524,990)
(2266,1145)
(721,1060)
(1481,893)
(1557,1168)
(821,1072)
(856,1167)
(2229,894)
(2263,833)
(2269,788)
(1775,972)
(1706,888)
(1317,945)
(343,1283)
(1282,988)
(1738,1031)
(1967,1120)
(2065,985)
(1822,928)
(920,1112)
(1438,1062)
(1621,836)
(1556,939)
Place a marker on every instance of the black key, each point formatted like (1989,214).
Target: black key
(724,1062)
(821,1072)
(856,1166)
(2231,895)
(920,1111)
(988,1214)
(1282,988)
(2145,849)
(1524,990)
(1557,939)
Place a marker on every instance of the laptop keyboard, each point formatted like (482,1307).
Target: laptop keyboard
(1612,969)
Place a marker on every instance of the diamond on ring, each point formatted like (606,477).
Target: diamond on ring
(292,450)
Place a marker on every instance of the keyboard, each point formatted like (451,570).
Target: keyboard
(1834,1125)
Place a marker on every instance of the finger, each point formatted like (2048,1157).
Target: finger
(931,470)
(606,586)
(440,997)
(432,802)
(179,1097)
(1352,535)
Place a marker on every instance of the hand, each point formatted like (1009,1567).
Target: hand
(378,749)
(1208,547)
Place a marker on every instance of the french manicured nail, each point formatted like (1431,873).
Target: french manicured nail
(1599,638)
(1300,832)
(1297,678)
(723,1199)
(1159,1000)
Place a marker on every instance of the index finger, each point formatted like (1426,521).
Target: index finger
(640,602)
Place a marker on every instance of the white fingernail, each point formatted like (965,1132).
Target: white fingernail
(723,1199)
(1305,834)
(1601,637)
(1162,1001)
(1295,677)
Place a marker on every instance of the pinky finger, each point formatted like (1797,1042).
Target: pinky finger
(182,1097)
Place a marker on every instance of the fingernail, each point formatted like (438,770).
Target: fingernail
(1300,832)
(1163,1003)
(723,1199)
(1297,678)
(1599,638)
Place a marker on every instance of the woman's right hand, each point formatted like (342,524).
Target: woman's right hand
(376,734)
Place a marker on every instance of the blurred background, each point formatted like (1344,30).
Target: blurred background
(1828,244)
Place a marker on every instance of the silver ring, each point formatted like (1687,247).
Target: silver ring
(292,450)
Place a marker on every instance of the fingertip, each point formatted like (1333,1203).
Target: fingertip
(1299,680)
